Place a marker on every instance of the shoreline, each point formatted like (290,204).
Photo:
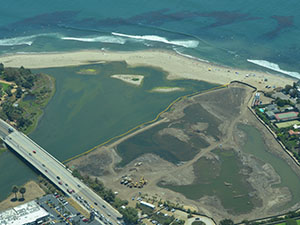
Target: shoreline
(176,65)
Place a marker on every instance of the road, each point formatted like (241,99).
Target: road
(57,173)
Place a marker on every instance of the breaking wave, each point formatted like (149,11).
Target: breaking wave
(183,43)
(103,39)
(274,66)
(24,40)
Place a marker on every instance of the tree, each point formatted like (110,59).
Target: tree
(19,92)
(291,222)
(130,215)
(22,191)
(226,222)
(287,88)
(15,190)
(1,67)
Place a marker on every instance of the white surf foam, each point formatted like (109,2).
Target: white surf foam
(24,40)
(189,56)
(184,43)
(274,66)
(104,39)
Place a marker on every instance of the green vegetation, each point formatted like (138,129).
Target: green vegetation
(287,124)
(88,71)
(226,222)
(198,223)
(22,191)
(223,179)
(24,114)
(291,142)
(15,190)
(129,214)
(289,219)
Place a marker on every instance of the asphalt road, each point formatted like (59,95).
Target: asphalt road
(56,172)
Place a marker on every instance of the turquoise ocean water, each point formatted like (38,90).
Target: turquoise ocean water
(227,32)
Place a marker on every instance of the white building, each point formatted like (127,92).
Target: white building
(147,204)
(27,214)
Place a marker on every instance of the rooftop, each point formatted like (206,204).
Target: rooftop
(22,214)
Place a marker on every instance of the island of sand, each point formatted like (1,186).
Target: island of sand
(166,89)
(130,78)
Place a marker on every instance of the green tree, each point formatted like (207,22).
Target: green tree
(291,222)
(130,215)
(1,67)
(19,92)
(22,191)
(226,222)
(287,88)
(15,190)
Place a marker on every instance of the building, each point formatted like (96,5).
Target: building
(291,132)
(147,204)
(29,213)
(270,115)
(286,116)
(272,108)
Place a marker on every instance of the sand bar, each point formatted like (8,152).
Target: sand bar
(131,79)
(177,66)
(167,89)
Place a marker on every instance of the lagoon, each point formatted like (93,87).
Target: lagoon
(87,110)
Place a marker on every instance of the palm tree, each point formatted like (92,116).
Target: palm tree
(22,191)
(15,190)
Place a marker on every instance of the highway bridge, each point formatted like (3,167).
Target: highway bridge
(58,174)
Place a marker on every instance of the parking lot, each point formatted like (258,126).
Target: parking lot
(61,212)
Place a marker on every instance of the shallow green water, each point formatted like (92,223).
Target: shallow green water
(13,172)
(229,173)
(222,180)
(87,110)
(255,145)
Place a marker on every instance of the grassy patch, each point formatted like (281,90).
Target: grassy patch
(88,71)
(2,150)
(198,223)
(43,91)
(287,124)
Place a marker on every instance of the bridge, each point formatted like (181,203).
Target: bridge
(58,174)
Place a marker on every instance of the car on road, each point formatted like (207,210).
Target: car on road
(58,177)
(60,182)
(95,203)
(30,154)
(46,171)
(34,151)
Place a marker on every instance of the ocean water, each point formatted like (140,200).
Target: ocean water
(247,34)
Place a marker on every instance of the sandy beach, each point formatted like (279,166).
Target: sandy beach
(177,66)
